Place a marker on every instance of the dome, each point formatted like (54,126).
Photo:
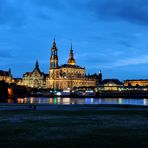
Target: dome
(71,61)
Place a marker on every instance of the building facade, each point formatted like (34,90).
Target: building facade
(139,82)
(34,79)
(68,75)
(6,76)
(110,85)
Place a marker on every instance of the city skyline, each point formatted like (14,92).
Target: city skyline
(110,35)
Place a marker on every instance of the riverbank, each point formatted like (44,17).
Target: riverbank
(108,127)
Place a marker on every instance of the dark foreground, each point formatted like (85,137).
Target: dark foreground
(104,128)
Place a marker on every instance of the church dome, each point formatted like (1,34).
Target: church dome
(71,61)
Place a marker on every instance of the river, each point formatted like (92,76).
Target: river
(67,101)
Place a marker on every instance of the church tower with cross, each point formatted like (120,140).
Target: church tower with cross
(68,75)
(54,56)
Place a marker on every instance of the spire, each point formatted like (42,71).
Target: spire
(71,60)
(71,45)
(54,56)
(37,64)
(9,71)
(54,43)
(71,52)
(100,76)
(36,68)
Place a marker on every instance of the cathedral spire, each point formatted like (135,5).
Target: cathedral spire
(36,68)
(100,76)
(37,64)
(71,45)
(71,60)
(54,56)
(54,43)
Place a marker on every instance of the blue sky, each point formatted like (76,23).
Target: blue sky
(111,35)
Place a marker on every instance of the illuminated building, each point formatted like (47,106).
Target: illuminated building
(68,75)
(140,82)
(62,77)
(110,85)
(6,76)
(34,79)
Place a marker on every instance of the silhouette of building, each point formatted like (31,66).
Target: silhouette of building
(34,79)
(68,75)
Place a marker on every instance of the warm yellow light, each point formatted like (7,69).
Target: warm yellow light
(10,91)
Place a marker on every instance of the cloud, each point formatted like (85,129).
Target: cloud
(99,58)
(132,11)
(51,4)
(5,54)
(125,43)
(143,59)
(10,14)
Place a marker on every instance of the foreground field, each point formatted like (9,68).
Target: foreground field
(103,128)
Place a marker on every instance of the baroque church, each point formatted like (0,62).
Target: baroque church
(65,76)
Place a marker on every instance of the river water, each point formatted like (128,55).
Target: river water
(67,101)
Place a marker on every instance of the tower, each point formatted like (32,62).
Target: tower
(71,60)
(53,72)
(9,72)
(54,56)
(100,76)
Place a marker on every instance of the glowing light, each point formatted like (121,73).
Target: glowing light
(51,100)
(66,90)
(10,91)
(58,93)
(66,100)
(31,100)
(55,101)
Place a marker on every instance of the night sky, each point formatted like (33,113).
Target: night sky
(111,35)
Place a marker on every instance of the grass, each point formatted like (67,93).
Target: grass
(74,129)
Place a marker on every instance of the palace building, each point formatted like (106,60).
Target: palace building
(69,75)
(61,77)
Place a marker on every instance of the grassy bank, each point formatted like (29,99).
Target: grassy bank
(79,128)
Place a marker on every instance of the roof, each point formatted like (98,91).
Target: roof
(116,81)
(70,66)
(36,68)
(27,73)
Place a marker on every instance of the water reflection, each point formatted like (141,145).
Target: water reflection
(67,101)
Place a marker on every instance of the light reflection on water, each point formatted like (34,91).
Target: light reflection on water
(58,100)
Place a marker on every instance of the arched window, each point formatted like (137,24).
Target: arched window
(129,84)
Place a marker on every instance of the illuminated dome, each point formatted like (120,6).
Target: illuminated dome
(71,60)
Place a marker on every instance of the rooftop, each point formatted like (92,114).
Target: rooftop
(70,66)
